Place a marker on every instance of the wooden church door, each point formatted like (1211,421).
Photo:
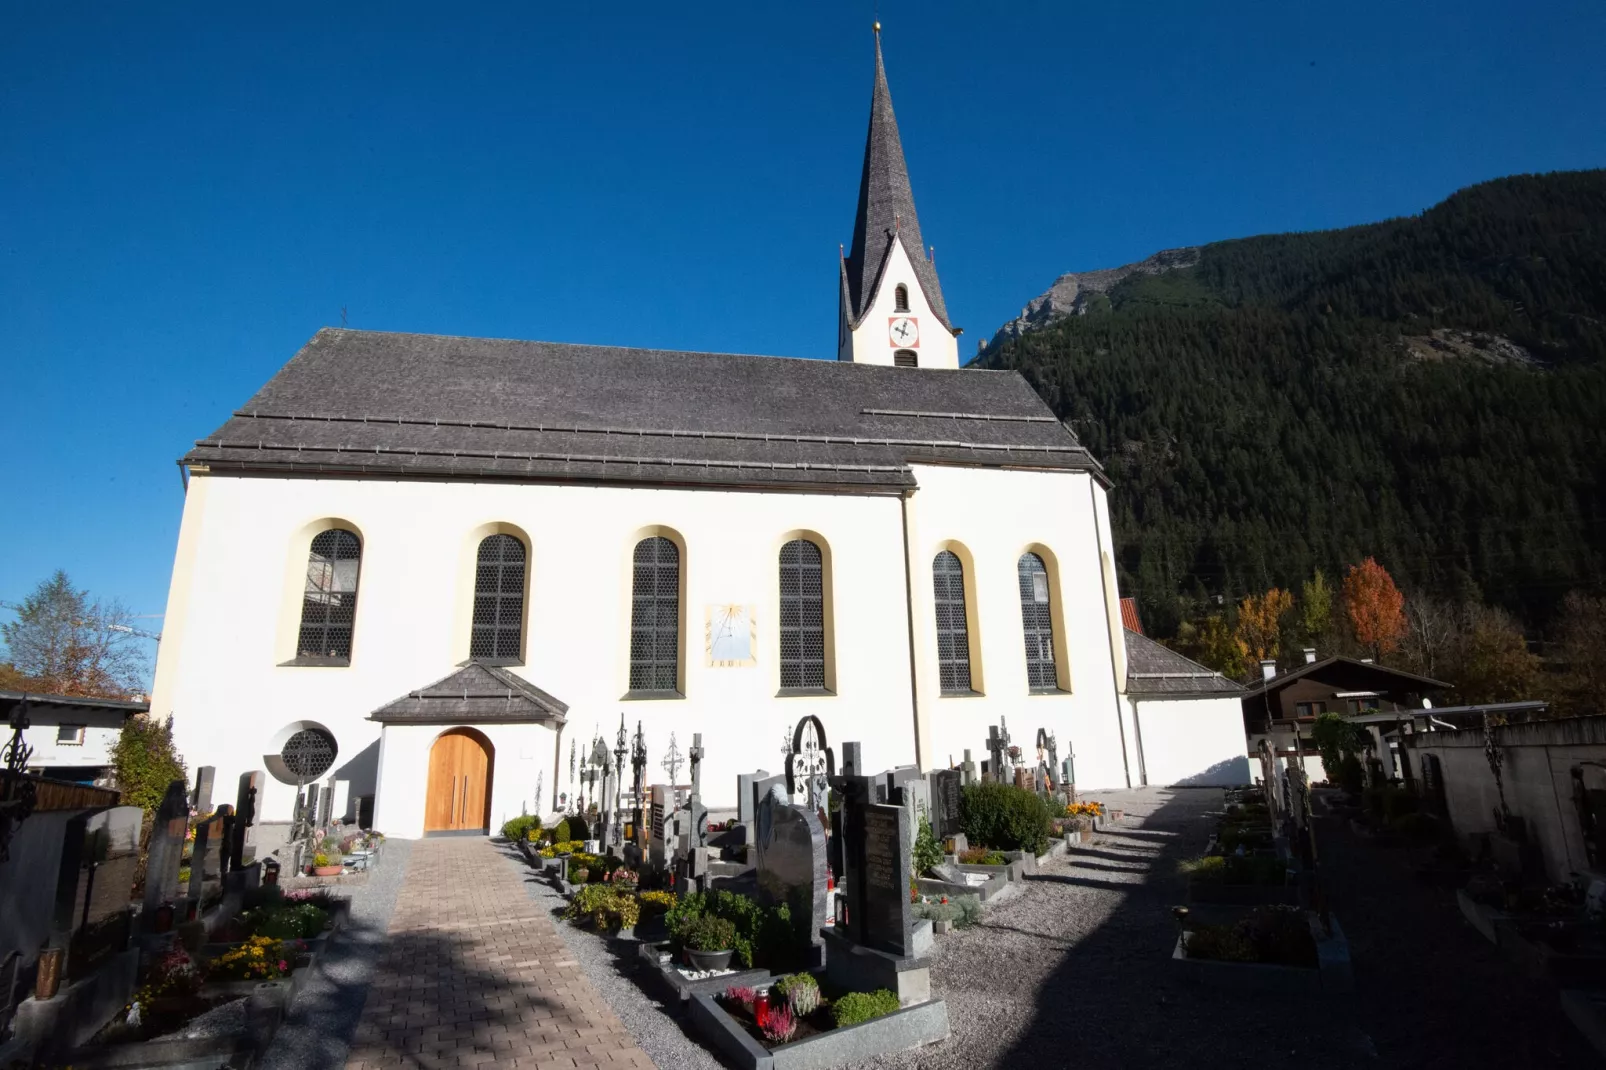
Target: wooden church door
(458,796)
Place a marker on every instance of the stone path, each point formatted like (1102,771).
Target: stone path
(475,973)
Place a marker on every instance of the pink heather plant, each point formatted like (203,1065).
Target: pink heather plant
(780,1025)
(741,994)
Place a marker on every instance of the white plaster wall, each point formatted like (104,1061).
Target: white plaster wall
(997,515)
(870,343)
(519,752)
(216,671)
(1193,742)
(101,729)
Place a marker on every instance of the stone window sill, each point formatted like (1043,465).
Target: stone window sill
(648,696)
(1049,691)
(501,663)
(314,661)
(805,692)
(964,694)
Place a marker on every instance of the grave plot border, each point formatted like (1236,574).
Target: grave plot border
(908,1027)
(667,978)
(997,885)
(1330,976)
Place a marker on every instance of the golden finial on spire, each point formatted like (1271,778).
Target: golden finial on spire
(878,26)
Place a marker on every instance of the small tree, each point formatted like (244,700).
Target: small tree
(1315,609)
(1259,632)
(1340,744)
(1210,643)
(66,644)
(1375,607)
(1581,647)
(1493,663)
(146,762)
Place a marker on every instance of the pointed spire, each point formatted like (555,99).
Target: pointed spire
(886,208)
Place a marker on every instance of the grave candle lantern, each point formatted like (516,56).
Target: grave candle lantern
(761,1009)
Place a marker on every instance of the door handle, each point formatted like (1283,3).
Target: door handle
(451,802)
(462,813)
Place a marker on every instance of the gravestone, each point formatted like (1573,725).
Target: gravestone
(883,881)
(202,797)
(967,770)
(204,853)
(791,861)
(242,846)
(745,799)
(948,871)
(658,828)
(945,785)
(326,804)
(166,851)
(1026,779)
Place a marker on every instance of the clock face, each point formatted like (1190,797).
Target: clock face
(903,332)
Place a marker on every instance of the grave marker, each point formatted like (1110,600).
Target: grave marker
(166,851)
(945,785)
(202,797)
(791,861)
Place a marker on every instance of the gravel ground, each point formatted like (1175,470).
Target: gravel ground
(610,964)
(317,1033)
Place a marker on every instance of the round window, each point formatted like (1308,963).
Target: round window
(309,753)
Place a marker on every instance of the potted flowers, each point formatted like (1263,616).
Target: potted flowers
(326,865)
(709,942)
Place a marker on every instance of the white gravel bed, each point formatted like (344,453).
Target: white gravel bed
(317,1033)
(655,1030)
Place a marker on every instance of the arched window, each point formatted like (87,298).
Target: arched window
(329,601)
(498,600)
(1037,622)
(953,631)
(802,616)
(900,297)
(906,358)
(655,617)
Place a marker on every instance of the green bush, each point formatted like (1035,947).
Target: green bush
(1005,817)
(768,937)
(708,933)
(927,852)
(856,1007)
(606,906)
(960,911)
(146,761)
(1237,869)
(982,856)
(1351,776)
(801,992)
(519,828)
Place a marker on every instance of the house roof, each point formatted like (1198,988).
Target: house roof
(474,694)
(1381,677)
(886,210)
(1129,615)
(127,707)
(358,402)
(1152,669)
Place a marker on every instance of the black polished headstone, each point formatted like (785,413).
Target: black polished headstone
(166,850)
(791,860)
(945,785)
(884,920)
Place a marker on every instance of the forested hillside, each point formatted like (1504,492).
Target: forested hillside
(1429,391)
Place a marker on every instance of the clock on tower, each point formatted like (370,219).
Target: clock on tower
(903,332)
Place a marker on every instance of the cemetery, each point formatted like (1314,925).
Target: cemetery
(157,939)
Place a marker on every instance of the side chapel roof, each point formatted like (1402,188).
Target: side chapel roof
(474,694)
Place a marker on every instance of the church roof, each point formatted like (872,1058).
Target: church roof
(886,208)
(1153,670)
(366,402)
(474,694)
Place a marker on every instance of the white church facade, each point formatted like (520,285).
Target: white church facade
(452,561)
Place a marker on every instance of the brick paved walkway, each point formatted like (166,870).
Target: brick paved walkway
(474,973)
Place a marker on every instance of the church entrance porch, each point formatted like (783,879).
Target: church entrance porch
(458,796)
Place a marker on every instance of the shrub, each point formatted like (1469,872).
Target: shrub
(1351,776)
(982,856)
(146,761)
(708,933)
(801,992)
(1004,817)
(764,936)
(1237,869)
(519,828)
(260,958)
(741,996)
(605,906)
(927,851)
(1084,809)
(856,1007)
(560,831)
(655,902)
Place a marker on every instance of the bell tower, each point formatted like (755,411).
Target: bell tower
(892,311)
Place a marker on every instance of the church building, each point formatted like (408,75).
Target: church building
(432,570)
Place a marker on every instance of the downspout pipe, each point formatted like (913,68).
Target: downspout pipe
(1098,568)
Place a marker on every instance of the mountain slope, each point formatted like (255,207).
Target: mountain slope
(1428,390)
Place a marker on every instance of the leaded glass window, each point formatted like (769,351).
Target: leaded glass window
(498,600)
(802,616)
(1037,622)
(655,617)
(329,603)
(953,632)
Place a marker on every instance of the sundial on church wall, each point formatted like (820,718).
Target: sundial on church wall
(731,636)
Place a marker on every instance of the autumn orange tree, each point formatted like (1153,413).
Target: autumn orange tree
(1375,607)
(1260,618)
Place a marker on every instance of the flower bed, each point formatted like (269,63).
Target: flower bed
(1245,880)
(1281,950)
(678,982)
(796,1027)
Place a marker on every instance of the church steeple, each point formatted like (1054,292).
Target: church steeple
(888,263)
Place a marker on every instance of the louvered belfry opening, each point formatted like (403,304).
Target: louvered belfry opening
(953,631)
(498,630)
(802,616)
(1037,622)
(655,617)
(906,358)
(900,298)
(329,602)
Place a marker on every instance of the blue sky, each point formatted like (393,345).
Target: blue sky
(188,192)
